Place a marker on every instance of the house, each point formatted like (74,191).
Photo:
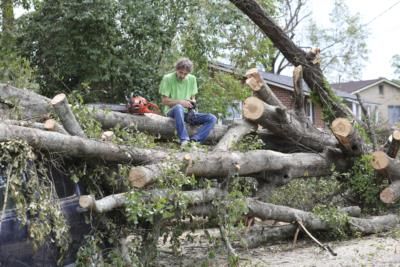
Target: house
(282,86)
(381,91)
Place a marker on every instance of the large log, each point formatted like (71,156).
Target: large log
(393,144)
(283,123)
(114,201)
(349,140)
(312,73)
(261,89)
(280,166)
(386,165)
(268,211)
(157,125)
(27,104)
(391,193)
(67,117)
(74,146)
(236,131)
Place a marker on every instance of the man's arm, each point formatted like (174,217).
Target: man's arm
(172,102)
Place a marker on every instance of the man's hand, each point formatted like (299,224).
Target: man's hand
(186,103)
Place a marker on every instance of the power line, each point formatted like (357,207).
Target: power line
(381,14)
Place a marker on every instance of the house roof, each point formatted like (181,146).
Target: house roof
(354,87)
(282,81)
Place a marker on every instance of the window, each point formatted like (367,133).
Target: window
(309,109)
(234,111)
(381,89)
(394,114)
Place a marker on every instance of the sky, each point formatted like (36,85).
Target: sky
(383,19)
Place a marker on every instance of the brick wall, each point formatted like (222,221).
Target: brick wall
(286,97)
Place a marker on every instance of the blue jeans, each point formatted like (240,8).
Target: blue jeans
(206,120)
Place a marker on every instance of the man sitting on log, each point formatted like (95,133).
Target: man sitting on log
(178,90)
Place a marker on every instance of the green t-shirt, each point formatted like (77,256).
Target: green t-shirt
(177,89)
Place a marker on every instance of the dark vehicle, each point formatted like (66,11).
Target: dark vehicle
(15,246)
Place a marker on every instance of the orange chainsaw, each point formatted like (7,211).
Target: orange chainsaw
(140,105)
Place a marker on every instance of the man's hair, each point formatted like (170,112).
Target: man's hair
(184,64)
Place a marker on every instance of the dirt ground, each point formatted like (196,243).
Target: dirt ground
(375,250)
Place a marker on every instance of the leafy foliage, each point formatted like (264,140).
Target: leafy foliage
(363,185)
(305,193)
(33,194)
(218,93)
(336,220)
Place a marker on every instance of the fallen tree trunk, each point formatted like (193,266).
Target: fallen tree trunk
(312,73)
(261,89)
(154,124)
(385,165)
(281,166)
(74,146)
(67,117)
(282,123)
(393,144)
(266,211)
(235,132)
(52,125)
(391,193)
(118,200)
(350,142)
(25,104)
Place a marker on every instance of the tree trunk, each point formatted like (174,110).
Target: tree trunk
(157,125)
(386,165)
(74,146)
(298,92)
(350,142)
(282,167)
(111,202)
(393,144)
(391,193)
(52,125)
(313,75)
(67,117)
(23,104)
(282,123)
(236,131)
(261,89)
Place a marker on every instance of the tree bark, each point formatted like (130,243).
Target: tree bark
(282,123)
(386,165)
(157,125)
(261,89)
(282,167)
(350,142)
(67,117)
(111,202)
(298,92)
(391,193)
(27,104)
(313,75)
(52,125)
(74,146)
(235,132)
(393,144)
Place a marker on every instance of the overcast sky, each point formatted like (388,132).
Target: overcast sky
(384,31)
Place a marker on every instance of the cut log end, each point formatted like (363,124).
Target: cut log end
(388,196)
(50,125)
(253,108)
(138,177)
(87,202)
(341,127)
(254,84)
(58,99)
(396,135)
(380,160)
(107,136)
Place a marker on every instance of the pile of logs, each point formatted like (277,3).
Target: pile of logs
(264,114)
